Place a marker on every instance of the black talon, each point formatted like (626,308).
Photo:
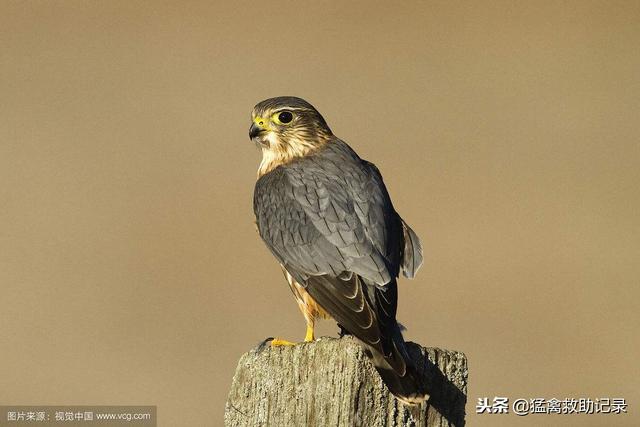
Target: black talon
(264,344)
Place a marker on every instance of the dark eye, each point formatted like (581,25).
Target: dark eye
(285,117)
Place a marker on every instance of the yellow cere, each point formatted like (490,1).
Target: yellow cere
(263,123)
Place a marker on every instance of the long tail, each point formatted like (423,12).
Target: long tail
(405,385)
(368,312)
(393,363)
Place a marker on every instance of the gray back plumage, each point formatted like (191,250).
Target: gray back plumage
(330,213)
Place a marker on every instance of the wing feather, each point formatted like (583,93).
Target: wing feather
(317,222)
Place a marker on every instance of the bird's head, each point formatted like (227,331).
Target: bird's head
(286,128)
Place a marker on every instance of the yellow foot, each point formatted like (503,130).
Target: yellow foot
(277,342)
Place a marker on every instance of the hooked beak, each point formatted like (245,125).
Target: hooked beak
(255,130)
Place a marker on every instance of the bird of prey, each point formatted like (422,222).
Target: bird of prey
(326,216)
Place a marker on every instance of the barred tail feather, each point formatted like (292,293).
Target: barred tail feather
(369,314)
(398,373)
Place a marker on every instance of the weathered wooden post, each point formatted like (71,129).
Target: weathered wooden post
(332,383)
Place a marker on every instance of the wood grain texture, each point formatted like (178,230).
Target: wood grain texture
(331,382)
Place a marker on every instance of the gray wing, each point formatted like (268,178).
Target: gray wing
(331,215)
(329,221)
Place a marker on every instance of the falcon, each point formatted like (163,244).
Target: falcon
(326,216)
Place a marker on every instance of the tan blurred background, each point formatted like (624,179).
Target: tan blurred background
(508,135)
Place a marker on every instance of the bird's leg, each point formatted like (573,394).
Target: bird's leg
(309,337)
(307,307)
